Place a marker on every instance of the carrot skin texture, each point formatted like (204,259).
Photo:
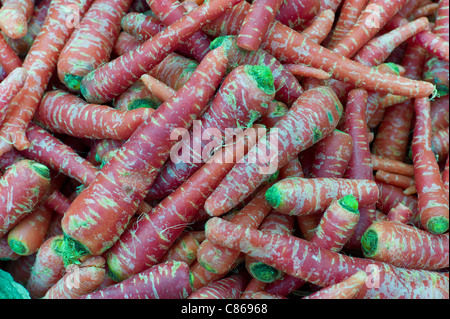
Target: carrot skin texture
(318,193)
(346,289)
(256,23)
(230,287)
(432,203)
(299,258)
(6,253)
(126,69)
(320,27)
(301,121)
(169,280)
(14,16)
(31,182)
(8,58)
(123,182)
(40,63)
(62,112)
(10,86)
(391,195)
(294,13)
(400,214)
(184,249)
(405,246)
(91,44)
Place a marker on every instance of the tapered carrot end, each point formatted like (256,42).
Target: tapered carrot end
(349,203)
(437,224)
(273,196)
(369,243)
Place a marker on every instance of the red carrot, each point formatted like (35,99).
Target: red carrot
(57,202)
(301,259)
(230,287)
(22,187)
(445,177)
(275,112)
(121,185)
(10,86)
(297,12)
(14,16)
(169,280)
(253,287)
(256,23)
(79,280)
(202,277)
(91,44)
(302,121)
(432,203)
(28,235)
(47,269)
(400,214)
(306,71)
(320,27)
(297,196)
(391,195)
(136,96)
(63,112)
(350,11)
(329,4)
(169,11)
(424,11)
(433,44)
(283,43)
(132,65)
(346,289)
(20,269)
(8,58)
(405,246)
(332,155)
(440,143)
(394,179)
(244,95)
(292,169)
(439,112)
(6,253)
(184,249)
(158,88)
(40,63)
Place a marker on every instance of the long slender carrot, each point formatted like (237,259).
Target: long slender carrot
(350,11)
(8,58)
(169,280)
(22,187)
(445,177)
(433,44)
(432,203)
(346,289)
(14,16)
(299,196)
(155,232)
(319,29)
(79,280)
(26,237)
(47,269)
(244,95)
(169,11)
(129,67)
(40,63)
(306,71)
(424,11)
(405,246)
(63,112)
(10,86)
(301,259)
(92,42)
(256,23)
(121,185)
(230,287)
(394,179)
(302,121)
(284,43)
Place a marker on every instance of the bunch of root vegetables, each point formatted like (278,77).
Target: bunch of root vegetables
(349,96)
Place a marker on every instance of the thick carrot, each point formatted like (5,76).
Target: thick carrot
(65,113)
(301,259)
(244,95)
(169,280)
(28,235)
(405,246)
(40,63)
(433,44)
(8,58)
(302,121)
(105,207)
(48,150)
(278,224)
(220,260)
(14,16)
(92,42)
(48,267)
(284,43)
(350,11)
(230,287)
(346,289)
(297,12)
(400,214)
(439,112)
(394,179)
(287,86)
(22,187)
(10,86)
(129,67)
(256,23)
(440,143)
(275,111)
(169,11)
(79,280)
(432,203)
(298,196)
(332,155)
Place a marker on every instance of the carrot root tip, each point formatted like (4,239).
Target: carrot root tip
(350,203)
(437,224)
(369,243)
(265,273)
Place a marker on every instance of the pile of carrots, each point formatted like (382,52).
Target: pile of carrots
(99,97)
